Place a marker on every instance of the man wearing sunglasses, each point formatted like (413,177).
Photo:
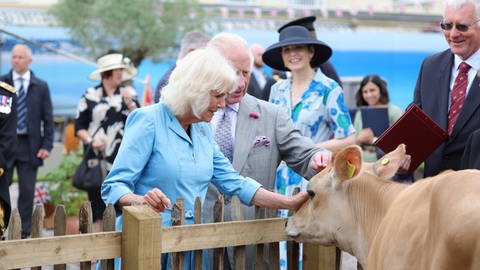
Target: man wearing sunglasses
(448,88)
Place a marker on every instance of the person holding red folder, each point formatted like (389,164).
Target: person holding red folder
(448,88)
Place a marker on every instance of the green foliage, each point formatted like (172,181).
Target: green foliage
(138,29)
(60,189)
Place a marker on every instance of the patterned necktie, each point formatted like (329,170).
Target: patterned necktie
(458,95)
(223,134)
(21,107)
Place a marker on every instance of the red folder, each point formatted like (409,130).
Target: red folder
(417,131)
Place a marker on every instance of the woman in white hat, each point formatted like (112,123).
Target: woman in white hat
(105,108)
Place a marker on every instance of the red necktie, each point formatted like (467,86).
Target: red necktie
(458,95)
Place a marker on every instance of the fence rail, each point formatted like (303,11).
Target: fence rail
(142,241)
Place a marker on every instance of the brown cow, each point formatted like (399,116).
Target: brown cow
(431,224)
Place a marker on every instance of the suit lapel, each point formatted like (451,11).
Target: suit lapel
(244,131)
(445,67)
(472,101)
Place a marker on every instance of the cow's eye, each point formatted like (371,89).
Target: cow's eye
(311,193)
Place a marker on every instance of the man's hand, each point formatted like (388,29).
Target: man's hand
(43,153)
(320,160)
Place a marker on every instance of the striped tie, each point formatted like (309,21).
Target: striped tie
(223,135)
(21,107)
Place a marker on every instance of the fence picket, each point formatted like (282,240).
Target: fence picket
(60,228)
(85,221)
(178,218)
(239,252)
(218,214)
(109,217)
(37,225)
(198,220)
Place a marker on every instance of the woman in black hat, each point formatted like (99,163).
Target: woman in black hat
(314,101)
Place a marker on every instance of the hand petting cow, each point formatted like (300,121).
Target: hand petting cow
(431,224)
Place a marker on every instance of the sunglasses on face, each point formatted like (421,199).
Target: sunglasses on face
(447,26)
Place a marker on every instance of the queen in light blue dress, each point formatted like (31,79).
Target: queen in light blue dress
(314,101)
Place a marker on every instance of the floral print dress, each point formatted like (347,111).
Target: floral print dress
(320,114)
(96,109)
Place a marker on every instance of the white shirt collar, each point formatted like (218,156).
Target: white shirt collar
(473,61)
(26,76)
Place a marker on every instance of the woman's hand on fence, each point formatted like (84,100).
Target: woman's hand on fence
(156,199)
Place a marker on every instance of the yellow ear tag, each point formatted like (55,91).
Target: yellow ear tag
(385,161)
(350,169)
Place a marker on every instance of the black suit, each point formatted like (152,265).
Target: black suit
(39,135)
(8,140)
(471,157)
(432,94)
(255,90)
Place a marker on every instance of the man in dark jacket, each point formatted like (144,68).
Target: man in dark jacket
(34,130)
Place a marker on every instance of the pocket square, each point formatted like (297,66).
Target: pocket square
(261,141)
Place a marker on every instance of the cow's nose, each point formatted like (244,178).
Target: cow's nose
(311,193)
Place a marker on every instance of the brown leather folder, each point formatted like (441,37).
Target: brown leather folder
(417,131)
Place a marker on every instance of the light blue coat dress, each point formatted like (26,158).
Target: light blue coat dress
(156,152)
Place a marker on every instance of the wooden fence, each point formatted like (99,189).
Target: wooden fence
(143,239)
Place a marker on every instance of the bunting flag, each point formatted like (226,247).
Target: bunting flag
(258,13)
(273,13)
(338,13)
(241,12)
(370,10)
(290,13)
(41,194)
(147,92)
(306,13)
(325,13)
(224,12)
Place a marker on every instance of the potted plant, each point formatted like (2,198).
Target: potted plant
(60,189)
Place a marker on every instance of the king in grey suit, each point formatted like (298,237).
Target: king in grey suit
(433,88)
(36,140)
(264,134)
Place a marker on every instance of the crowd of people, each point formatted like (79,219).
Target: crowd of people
(220,125)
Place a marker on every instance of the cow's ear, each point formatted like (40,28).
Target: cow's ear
(388,165)
(348,162)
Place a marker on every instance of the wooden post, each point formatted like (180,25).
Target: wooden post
(317,257)
(141,238)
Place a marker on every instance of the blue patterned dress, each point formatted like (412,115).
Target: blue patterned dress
(320,114)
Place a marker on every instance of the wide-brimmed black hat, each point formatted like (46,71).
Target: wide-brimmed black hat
(295,35)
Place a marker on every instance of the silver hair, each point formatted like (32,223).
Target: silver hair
(191,41)
(459,3)
(195,76)
(230,42)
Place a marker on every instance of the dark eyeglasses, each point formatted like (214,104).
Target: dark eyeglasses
(447,26)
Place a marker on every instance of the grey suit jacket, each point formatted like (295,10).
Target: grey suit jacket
(260,163)
(432,94)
